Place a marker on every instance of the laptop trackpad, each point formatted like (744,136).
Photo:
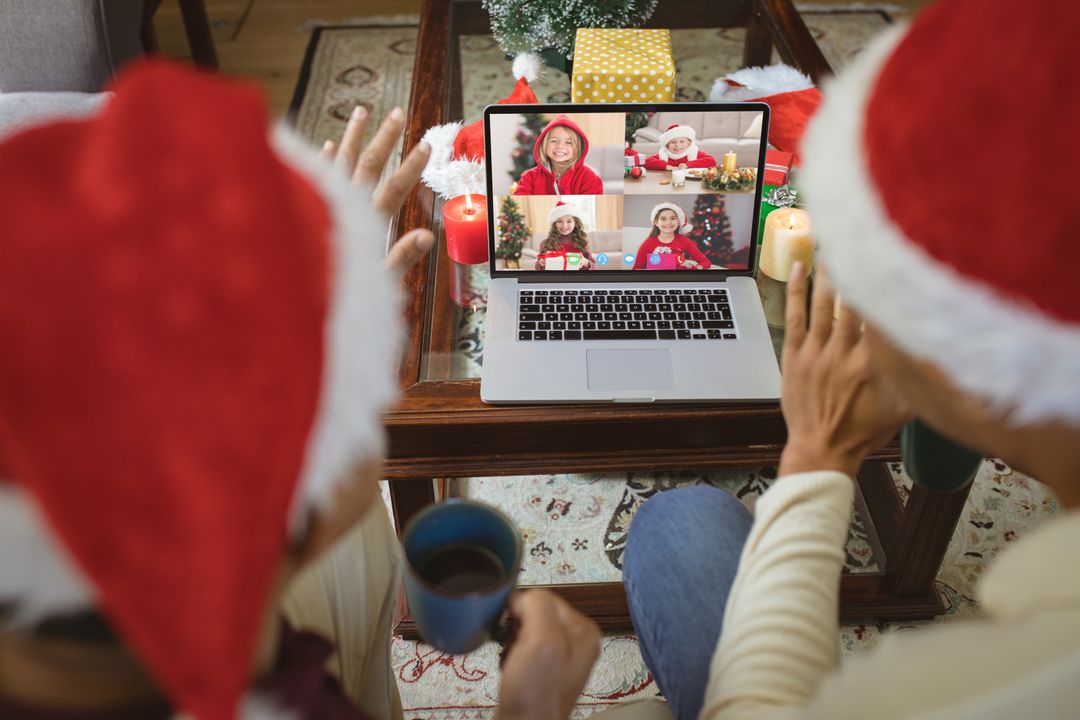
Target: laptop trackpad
(630,370)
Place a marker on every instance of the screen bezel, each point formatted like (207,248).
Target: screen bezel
(624,275)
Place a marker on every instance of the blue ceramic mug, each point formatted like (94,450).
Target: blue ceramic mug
(462,560)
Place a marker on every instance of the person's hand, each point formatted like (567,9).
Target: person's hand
(546,667)
(365,167)
(683,166)
(836,407)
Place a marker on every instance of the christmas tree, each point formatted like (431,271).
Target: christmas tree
(526,139)
(520,25)
(513,232)
(712,230)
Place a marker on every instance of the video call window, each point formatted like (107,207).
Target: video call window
(629,191)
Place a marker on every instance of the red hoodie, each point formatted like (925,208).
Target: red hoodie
(578,180)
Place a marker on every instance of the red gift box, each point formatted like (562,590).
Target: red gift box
(777,166)
(632,158)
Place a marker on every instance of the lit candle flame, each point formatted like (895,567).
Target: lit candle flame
(791,221)
(468,203)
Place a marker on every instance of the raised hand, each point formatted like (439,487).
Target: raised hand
(836,407)
(365,166)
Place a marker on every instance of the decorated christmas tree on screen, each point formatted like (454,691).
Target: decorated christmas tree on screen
(513,232)
(711,231)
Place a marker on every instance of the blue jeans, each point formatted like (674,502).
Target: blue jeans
(680,560)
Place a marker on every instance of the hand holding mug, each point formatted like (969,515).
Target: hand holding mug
(548,664)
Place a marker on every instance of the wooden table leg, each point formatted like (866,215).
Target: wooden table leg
(197,28)
(408,497)
(758,48)
(930,518)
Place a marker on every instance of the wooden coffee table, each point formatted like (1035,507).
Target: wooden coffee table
(442,430)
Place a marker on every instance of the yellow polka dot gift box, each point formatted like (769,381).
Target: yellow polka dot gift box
(622,65)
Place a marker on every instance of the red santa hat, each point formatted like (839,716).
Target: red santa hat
(791,96)
(562,209)
(187,308)
(685,228)
(678,131)
(456,165)
(978,276)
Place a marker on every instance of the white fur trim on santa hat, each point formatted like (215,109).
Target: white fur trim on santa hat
(562,209)
(686,227)
(363,335)
(1023,363)
(446,176)
(759,82)
(36,571)
(359,381)
(528,65)
(678,131)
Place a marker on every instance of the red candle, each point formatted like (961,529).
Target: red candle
(465,221)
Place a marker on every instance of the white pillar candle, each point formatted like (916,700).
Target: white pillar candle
(786,240)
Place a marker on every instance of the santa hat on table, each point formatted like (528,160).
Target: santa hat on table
(978,277)
(187,303)
(678,131)
(563,209)
(791,96)
(679,212)
(456,165)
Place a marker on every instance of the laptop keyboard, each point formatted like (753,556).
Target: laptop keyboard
(679,314)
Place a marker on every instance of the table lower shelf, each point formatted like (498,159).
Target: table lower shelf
(863,596)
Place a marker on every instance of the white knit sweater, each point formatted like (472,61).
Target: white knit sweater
(778,653)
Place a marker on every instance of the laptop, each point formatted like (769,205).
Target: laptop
(634,279)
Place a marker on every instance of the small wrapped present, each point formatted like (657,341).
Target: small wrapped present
(665,261)
(777,167)
(622,65)
(561,260)
(632,158)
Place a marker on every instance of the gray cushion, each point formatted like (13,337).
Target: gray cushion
(19,111)
(66,45)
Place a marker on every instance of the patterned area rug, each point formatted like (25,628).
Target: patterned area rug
(575,525)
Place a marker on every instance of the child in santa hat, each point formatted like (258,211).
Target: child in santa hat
(197,352)
(678,148)
(566,234)
(668,237)
(560,168)
(971,306)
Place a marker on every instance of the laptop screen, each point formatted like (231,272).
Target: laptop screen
(624,188)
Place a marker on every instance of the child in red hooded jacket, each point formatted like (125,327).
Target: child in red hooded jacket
(560,163)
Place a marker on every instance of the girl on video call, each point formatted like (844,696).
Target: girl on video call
(679,149)
(668,226)
(566,235)
(560,163)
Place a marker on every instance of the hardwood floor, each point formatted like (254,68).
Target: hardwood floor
(265,39)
